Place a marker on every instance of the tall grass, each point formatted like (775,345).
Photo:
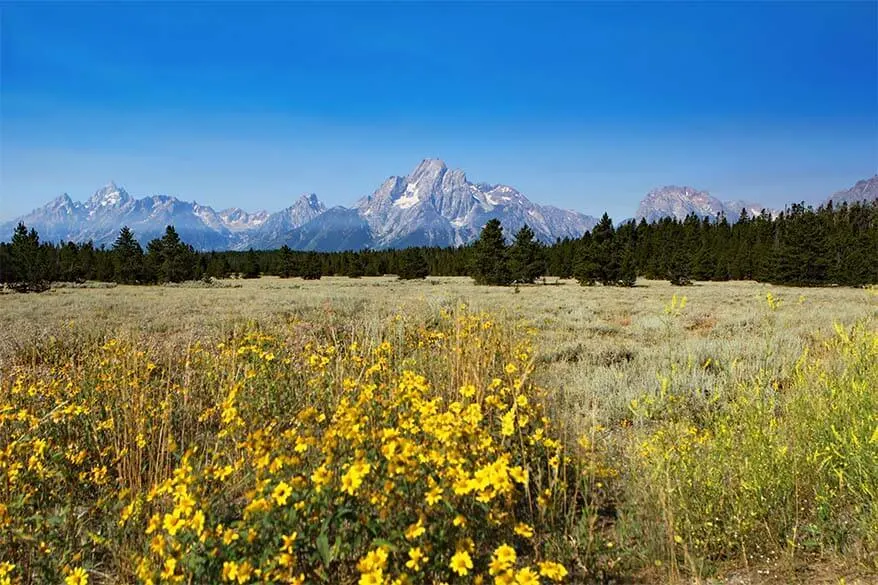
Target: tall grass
(380,432)
(773,470)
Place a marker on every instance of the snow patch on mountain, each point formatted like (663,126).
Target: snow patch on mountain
(409,198)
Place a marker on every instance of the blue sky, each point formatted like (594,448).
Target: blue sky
(581,105)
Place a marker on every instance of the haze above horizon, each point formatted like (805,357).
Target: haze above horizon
(584,106)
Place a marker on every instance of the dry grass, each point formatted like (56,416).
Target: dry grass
(623,366)
(597,347)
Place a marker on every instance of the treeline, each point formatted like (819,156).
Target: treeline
(801,246)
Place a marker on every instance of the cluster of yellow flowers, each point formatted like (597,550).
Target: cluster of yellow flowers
(388,479)
(298,457)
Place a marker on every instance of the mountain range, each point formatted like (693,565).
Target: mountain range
(431,206)
(865,190)
(673,201)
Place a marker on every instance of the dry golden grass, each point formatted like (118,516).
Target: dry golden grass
(597,347)
(697,392)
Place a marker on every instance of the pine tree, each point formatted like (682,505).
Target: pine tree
(627,267)
(679,267)
(29,269)
(5,264)
(218,266)
(153,260)
(374,266)
(527,261)
(855,242)
(801,251)
(413,265)
(104,267)
(168,259)
(586,269)
(288,264)
(355,265)
(312,268)
(251,265)
(127,258)
(489,256)
(604,253)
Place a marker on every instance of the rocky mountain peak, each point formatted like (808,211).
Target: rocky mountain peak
(677,192)
(678,201)
(61,201)
(110,195)
(435,205)
(864,190)
(429,167)
(312,201)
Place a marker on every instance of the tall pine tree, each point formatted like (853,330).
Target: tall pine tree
(488,264)
(127,258)
(527,262)
(29,268)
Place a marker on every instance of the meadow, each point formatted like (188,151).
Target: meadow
(381,431)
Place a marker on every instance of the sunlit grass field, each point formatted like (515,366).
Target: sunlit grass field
(378,431)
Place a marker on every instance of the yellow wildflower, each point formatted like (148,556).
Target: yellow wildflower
(461,563)
(554,571)
(505,555)
(416,559)
(527,576)
(434,495)
(169,568)
(281,493)
(78,576)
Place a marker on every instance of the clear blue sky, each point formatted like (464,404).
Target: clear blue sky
(581,105)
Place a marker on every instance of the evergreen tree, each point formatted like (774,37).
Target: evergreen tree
(679,271)
(288,265)
(70,267)
(627,268)
(374,266)
(104,267)
(311,267)
(251,265)
(127,258)
(29,271)
(527,261)
(802,251)
(5,264)
(586,269)
(489,256)
(153,260)
(218,266)
(604,252)
(413,265)
(355,265)
(170,260)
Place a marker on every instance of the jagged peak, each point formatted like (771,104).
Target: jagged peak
(678,190)
(862,183)
(862,190)
(109,194)
(429,166)
(311,200)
